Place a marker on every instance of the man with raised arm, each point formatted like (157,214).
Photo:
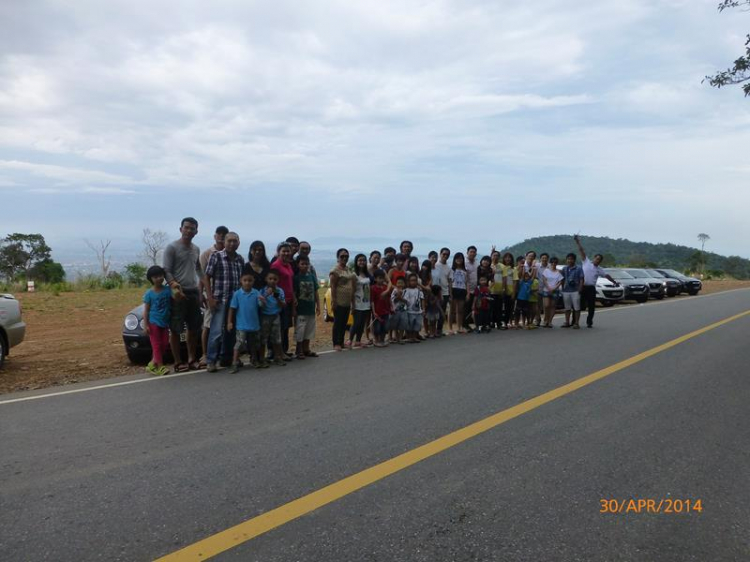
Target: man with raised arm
(591,272)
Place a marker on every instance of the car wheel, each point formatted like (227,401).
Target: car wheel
(326,316)
(692,293)
(137,357)
(641,300)
(607,303)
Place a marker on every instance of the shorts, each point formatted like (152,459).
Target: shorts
(379,327)
(304,328)
(207,317)
(270,328)
(459,294)
(398,321)
(251,340)
(186,311)
(572,300)
(522,306)
(413,322)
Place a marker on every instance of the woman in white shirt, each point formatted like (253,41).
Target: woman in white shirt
(551,291)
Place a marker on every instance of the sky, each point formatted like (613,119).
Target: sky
(450,120)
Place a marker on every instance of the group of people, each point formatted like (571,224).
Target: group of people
(388,297)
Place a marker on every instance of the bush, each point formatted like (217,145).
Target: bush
(135,274)
(113,281)
(47,271)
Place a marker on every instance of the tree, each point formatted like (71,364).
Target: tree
(696,261)
(703,239)
(47,271)
(153,244)
(20,252)
(739,72)
(135,273)
(101,255)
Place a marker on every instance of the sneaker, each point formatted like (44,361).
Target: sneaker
(235,368)
(279,362)
(263,365)
(211,367)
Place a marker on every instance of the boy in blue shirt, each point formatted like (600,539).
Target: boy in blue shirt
(571,290)
(272,302)
(243,314)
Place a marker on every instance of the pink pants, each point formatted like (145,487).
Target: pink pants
(159,341)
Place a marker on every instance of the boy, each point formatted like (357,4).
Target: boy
(306,307)
(398,318)
(243,314)
(272,302)
(482,299)
(414,298)
(522,301)
(571,290)
(381,306)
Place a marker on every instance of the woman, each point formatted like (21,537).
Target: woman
(283,267)
(343,283)
(551,291)
(457,281)
(362,304)
(259,262)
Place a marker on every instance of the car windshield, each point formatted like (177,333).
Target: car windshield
(619,274)
(637,273)
(655,273)
(674,273)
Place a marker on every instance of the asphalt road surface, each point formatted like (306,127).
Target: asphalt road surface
(141,471)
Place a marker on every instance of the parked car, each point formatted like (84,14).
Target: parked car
(673,286)
(635,289)
(690,285)
(137,344)
(607,293)
(12,326)
(657,287)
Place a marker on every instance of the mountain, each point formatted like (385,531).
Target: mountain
(623,252)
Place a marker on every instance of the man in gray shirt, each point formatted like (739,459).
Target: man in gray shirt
(183,272)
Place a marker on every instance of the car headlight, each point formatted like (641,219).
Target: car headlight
(665,283)
(142,324)
(131,322)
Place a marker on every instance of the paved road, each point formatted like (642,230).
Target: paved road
(136,472)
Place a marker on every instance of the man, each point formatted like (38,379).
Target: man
(218,246)
(407,248)
(471,265)
(591,272)
(440,277)
(304,252)
(182,267)
(571,290)
(222,279)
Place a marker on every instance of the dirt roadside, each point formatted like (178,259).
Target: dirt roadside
(75,337)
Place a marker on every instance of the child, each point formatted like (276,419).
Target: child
(362,304)
(534,302)
(425,283)
(381,306)
(434,310)
(398,321)
(397,272)
(510,287)
(482,316)
(496,288)
(414,306)
(306,307)
(272,302)
(243,314)
(522,301)
(457,279)
(156,315)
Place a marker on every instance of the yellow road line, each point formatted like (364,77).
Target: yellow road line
(224,540)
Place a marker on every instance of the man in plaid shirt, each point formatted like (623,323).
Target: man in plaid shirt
(222,279)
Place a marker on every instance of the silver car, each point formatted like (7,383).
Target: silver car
(12,327)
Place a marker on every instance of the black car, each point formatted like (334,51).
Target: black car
(137,344)
(690,285)
(635,289)
(674,286)
(657,287)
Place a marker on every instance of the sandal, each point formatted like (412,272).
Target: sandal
(181,368)
(202,364)
(300,356)
(193,366)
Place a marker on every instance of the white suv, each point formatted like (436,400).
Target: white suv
(12,328)
(607,293)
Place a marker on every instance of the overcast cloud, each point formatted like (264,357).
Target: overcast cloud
(496,120)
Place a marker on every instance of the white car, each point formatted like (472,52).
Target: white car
(12,327)
(607,293)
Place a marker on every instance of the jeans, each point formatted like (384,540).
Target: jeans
(361,319)
(589,302)
(220,342)
(496,305)
(340,319)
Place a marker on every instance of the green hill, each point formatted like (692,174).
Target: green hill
(623,252)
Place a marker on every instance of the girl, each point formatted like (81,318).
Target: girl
(414,306)
(434,310)
(380,295)
(361,301)
(551,291)
(156,313)
(343,284)
(398,321)
(457,279)
(374,262)
(496,289)
(259,262)
(520,269)
(510,282)
(412,266)
(425,283)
